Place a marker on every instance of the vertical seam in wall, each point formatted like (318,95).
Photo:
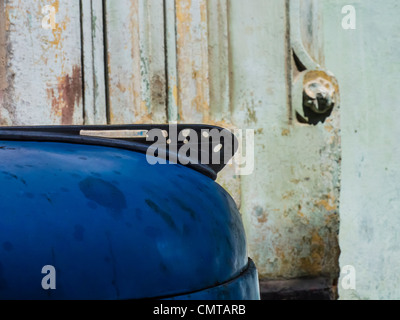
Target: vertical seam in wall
(3,50)
(106,75)
(172,101)
(230,62)
(288,67)
(82,63)
(167,113)
(178,97)
(93,63)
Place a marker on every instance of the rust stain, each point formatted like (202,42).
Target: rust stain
(60,26)
(328,126)
(251,116)
(184,36)
(203,11)
(288,195)
(158,92)
(329,203)
(332,219)
(200,101)
(263,218)
(315,74)
(192,52)
(313,263)
(110,88)
(316,239)
(7,76)
(147,118)
(135,85)
(183,16)
(143,107)
(121,87)
(69,94)
(175,93)
(57,32)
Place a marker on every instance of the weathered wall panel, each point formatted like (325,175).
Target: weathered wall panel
(198,70)
(43,66)
(3,51)
(192,61)
(95,105)
(220,86)
(366,62)
(290,203)
(171,60)
(136,61)
(219,62)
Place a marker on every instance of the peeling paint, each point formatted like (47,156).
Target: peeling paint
(296,180)
(7,77)
(136,62)
(3,50)
(35,63)
(68,95)
(192,61)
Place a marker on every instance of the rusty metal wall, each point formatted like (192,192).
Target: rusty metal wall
(136,61)
(223,62)
(290,204)
(41,81)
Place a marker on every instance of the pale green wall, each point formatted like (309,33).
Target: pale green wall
(290,202)
(366,63)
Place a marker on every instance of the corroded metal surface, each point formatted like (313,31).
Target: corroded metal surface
(290,204)
(192,57)
(136,61)
(43,74)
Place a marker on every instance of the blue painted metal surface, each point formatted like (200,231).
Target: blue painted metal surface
(113,226)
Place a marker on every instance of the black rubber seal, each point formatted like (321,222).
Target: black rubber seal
(71,134)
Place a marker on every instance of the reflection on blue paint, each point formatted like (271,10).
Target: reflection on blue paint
(113,226)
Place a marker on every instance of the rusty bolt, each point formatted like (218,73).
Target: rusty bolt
(319,95)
